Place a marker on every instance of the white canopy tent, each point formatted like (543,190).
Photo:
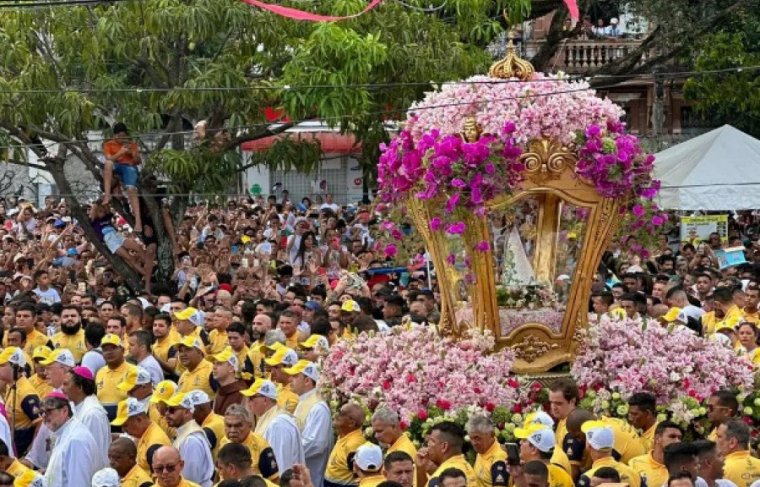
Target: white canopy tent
(719,170)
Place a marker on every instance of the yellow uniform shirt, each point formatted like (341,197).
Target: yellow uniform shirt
(560,432)
(491,467)
(627,475)
(741,468)
(292,341)
(627,441)
(372,481)
(708,323)
(262,455)
(217,341)
(256,356)
(137,477)
(153,439)
(286,399)
(33,340)
(559,458)
(41,385)
(647,439)
(752,317)
(106,381)
(186,483)
(405,445)
(651,471)
(27,412)
(733,317)
(457,461)
(213,426)
(162,349)
(200,378)
(341,462)
(158,418)
(75,343)
(558,477)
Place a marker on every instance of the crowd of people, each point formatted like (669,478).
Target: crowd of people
(213,379)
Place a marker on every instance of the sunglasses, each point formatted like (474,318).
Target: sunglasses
(45,411)
(165,468)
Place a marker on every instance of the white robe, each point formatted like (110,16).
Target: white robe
(285,439)
(95,418)
(196,452)
(316,437)
(6,436)
(73,460)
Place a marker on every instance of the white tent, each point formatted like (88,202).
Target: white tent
(719,170)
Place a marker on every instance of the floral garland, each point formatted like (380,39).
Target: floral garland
(619,357)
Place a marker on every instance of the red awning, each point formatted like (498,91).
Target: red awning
(331,142)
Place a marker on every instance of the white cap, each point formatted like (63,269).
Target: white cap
(369,457)
(166,308)
(63,356)
(106,477)
(143,376)
(198,397)
(598,435)
(539,417)
(539,436)
(614,21)
(690,312)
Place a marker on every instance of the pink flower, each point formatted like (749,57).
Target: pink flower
(391,251)
(457,228)
(638,210)
(435,224)
(483,246)
(443,404)
(422,414)
(451,258)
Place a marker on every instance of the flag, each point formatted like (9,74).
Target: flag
(572,6)
(293,13)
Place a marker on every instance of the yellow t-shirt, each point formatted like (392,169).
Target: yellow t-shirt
(153,439)
(647,439)
(741,468)
(340,464)
(33,340)
(457,461)
(560,432)
(708,323)
(106,381)
(75,343)
(217,341)
(405,445)
(372,481)
(256,357)
(42,387)
(627,441)
(286,399)
(200,378)
(650,470)
(558,477)
(137,477)
(627,475)
(752,317)
(491,467)
(162,349)
(292,340)
(733,317)
(262,455)
(213,426)
(559,458)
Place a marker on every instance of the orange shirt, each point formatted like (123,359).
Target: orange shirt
(131,158)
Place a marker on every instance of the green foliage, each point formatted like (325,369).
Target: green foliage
(291,153)
(200,170)
(732,97)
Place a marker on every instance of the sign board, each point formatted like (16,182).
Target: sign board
(699,228)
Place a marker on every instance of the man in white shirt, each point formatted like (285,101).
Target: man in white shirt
(74,456)
(79,386)
(44,292)
(275,425)
(313,418)
(329,204)
(140,342)
(191,441)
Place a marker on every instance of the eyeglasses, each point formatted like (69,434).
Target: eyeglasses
(165,468)
(45,411)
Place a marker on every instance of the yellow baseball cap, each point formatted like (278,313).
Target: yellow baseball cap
(226,355)
(181,400)
(315,341)
(111,339)
(261,387)
(283,356)
(126,409)
(268,350)
(163,392)
(136,376)
(43,352)
(617,313)
(61,355)
(192,342)
(671,315)
(13,355)
(185,314)
(351,306)
(305,367)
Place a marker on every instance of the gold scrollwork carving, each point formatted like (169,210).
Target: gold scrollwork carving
(546,159)
(532,347)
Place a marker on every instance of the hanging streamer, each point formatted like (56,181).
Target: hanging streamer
(572,6)
(293,13)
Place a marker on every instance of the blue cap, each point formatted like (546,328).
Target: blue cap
(58,223)
(312,305)
(72,252)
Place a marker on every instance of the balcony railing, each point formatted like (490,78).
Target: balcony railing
(583,56)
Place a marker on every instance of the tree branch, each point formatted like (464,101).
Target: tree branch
(261,133)
(553,40)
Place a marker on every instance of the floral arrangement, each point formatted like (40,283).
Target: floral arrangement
(416,372)
(619,357)
(531,296)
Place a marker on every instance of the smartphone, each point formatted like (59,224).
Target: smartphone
(82,287)
(244,262)
(513,453)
